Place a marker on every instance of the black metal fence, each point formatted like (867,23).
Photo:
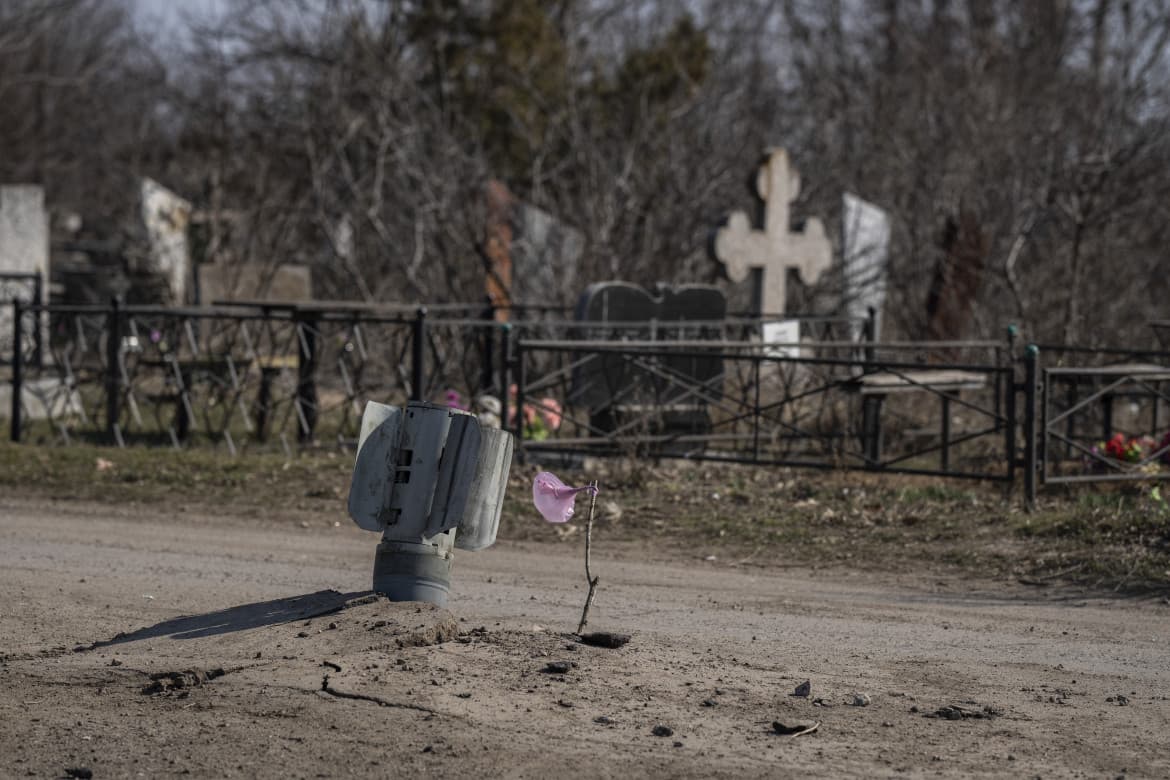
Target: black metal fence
(277,375)
(1095,415)
(229,374)
(26,287)
(271,373)
(895,407)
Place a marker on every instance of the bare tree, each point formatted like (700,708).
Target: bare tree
(358,137)
(1044,121)
(80,91)
(382,124)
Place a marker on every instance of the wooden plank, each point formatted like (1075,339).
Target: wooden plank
(928,380)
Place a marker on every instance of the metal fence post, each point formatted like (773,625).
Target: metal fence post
(505,371)
(1006,379)
(945,451)
(1013,334)
(17,369)
(520,381)
(1031,413)
(871,429)
(38,332)
(1011,387)
(418,338)
(487,367)
(1004,358)
(870,331)
(113,369)
(756,408)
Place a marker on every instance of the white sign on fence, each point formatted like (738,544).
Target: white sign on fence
(785,332)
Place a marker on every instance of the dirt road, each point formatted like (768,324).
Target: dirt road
(231,662)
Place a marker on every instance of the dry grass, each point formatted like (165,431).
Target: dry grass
(1110,537)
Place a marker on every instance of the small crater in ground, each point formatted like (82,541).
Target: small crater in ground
(405,624)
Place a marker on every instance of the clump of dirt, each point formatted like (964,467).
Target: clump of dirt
(443,629)
(166,682)
(404,624)
(966,711)
(607,639)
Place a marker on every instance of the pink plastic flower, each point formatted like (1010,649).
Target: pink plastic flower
(455,400)
(550,411)
(554,499)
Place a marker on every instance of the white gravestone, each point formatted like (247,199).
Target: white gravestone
(865,249)
(24,231)
(166,217)
(776,248)
(24,249)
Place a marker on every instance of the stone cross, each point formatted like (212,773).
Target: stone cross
(775,248)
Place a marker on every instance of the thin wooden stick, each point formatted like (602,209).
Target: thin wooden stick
(588,542)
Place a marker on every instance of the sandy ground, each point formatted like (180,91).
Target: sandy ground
(146,643)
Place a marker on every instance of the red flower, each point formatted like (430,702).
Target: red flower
(1115,447)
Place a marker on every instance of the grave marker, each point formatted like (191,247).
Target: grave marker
(530,255)
(865,248)
(768,251)
(24,230)
(616,390)
(604,381)
(166,217)
(24,249)
(957,276)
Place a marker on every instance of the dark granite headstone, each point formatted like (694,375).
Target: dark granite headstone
(671,394)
